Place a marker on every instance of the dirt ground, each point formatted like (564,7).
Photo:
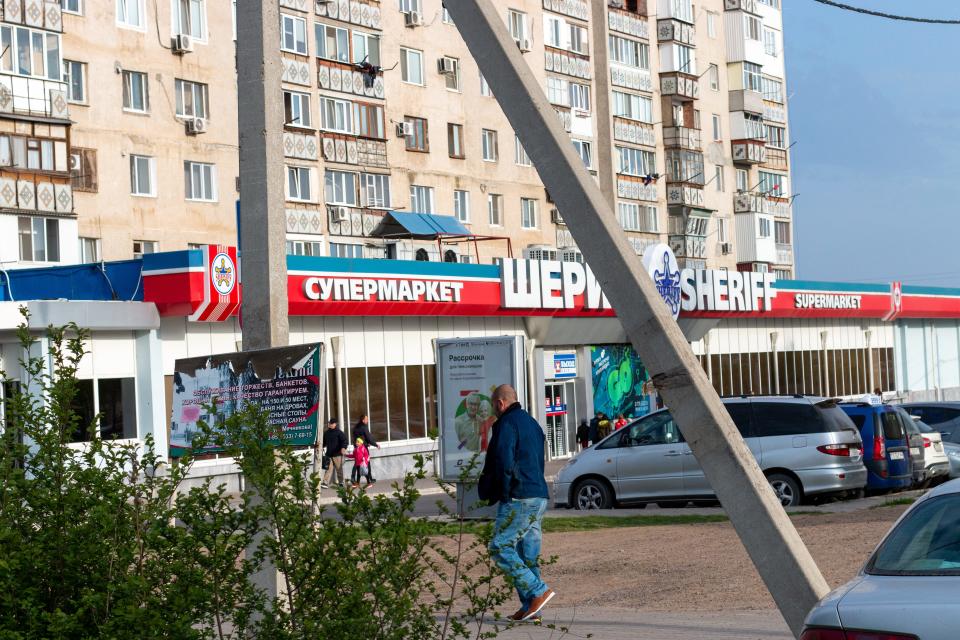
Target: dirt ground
(696,567)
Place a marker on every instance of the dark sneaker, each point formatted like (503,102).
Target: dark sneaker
(538,603)
(518,616)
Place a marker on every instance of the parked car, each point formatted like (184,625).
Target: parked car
(953,455)
(886,452)
(807,447)
(908,588)
(935,462)
(942,416)
(918,467)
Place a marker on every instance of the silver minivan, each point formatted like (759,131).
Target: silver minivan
(806,446)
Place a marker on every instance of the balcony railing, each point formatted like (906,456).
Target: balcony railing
(679,85)
(759,203)
(619,19)
(635,132)
(776,159)
(682,137)
(784,253)
(33,97)
(685,194)
(749,151)
(675,31)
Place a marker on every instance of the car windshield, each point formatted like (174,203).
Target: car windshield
(925,543)
(836,419)
(924,427)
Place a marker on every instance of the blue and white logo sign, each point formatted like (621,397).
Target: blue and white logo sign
(564,365)
(662,266)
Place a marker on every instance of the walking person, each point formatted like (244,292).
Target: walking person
(361,464)
(512,476)
(583,434)
(334,445)
(620,423)
(362,430)
(595,428)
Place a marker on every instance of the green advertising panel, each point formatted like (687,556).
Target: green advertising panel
(287,382)
(619,381)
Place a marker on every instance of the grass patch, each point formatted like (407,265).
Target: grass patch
(894,503)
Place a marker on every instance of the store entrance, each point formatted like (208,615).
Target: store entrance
(560,417)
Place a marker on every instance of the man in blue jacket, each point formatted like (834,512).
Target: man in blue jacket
(513,477)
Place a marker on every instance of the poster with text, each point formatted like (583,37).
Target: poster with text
(619,379)
(468,371)
(287,382)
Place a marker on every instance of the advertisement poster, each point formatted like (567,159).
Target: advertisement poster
(468,371)
(286,382)
(620,381)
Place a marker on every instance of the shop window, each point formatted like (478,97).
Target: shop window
(430,398)
(84,408)
(377,386)
(422,255)
(416,399)
(355,396)
(118,407)
(396,403)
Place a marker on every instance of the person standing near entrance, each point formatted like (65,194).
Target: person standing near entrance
(594,432)
(583,434)
(334,444)
(362,430)
(513,478)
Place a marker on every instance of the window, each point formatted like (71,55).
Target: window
(718,177)
(72,6)
(340,187)
(770,39)
(341,250)
(519,153)
(774,184)
(461,205)
(772,89)
(636,162)
(409,6)
(635,217)
(764,227)
(629,52)
(743,177)
(143,247)
(30,53)
(299,187)
(552,30)
(517,22)
(368,119)
(578,40)
(770,3)
(785,419)
(304,248)
(579,96)
(528,213)
(484,87)
(722,230)
(83,169)
(558,91)
(417,138)
(714,76)
(293,35)
(192,99)
(634,107)
(143,176)
(375,192)
(366,48)
(488,139)
(452,78)
(190,18)
(136,95)
(130,13)
(336,115)
(39,239)
(752,27)
(716,128)
(495,209)
(754,128)
(776,137)
(711,24)
(421,199)
(752,79)
(75,75)
(684,59)
(782,232)
(333,43)
(455,140)
(200,179)
(685,166)
(411,66)
(585,151)
(296,109)
(89,250)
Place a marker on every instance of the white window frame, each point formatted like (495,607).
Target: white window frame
(520,156)
(85,245)
(779,138)
(298,34)
(128,77)
(138,164)
(632,106)
(629,52)
(519,25)
(580,96)
(370,42)
(763,227)
(635,162)
(638,217)
(375,190)
(752,77)
(207,187)
(320,34)
(300,247)
(485,87)
(585,151)
(334,108)
(772,89)
(199,34)
(455,76)
(771,42)
(141,25)
(490,145)
(409,6)
(197,90)
(23,46)
(743,180)
(553,31)
(722,232)
(68,76)
(579,40)
(146,247)
(712,24)
(529,218)
(718,178)
(65,6)
(421,198)
(495,209)
(39,227)
(461,205)
(344,182)
(752,27)
(713,74)
(297,103)
(558,91)
(350,250)
(717,129)
(303,176)
(406,54)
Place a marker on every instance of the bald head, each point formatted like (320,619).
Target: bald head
(503,397)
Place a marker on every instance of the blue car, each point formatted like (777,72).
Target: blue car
(886,448)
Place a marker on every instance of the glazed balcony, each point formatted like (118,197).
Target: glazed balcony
(682,138)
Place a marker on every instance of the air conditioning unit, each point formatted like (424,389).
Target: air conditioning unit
(525,45)
(446,66)
(555,217)
(571,255)
(181,43)
(196,126)
(75,162)
(412,19)
(338,214)
(726,248)
(404,129)
(540,252)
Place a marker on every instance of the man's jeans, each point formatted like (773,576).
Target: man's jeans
(515,546)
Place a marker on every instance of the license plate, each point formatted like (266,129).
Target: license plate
(896,455)
(937,446)
(914,451)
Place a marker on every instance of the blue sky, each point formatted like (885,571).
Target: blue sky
(875,117)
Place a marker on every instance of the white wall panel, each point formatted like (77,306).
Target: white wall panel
(114,355)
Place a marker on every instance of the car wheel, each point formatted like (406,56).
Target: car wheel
(787,489)
(592,494)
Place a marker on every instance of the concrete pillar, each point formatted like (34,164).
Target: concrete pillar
(769,537)
(151,392)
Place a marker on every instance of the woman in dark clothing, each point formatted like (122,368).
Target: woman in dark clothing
(583,434)
(362,430)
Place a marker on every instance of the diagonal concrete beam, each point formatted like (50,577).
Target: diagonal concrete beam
(784,563)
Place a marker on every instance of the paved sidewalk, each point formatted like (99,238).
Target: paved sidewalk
(615,624)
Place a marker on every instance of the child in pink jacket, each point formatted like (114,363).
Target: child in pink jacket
(361,462)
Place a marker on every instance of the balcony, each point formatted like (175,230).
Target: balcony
(630,78)
(679,85)
(682,138)
(750,6)
(685,194)
(758,203)
(623,21)
(784,253)
(749,151)
(45,194)
(687,246)
(33,97)
(578,9)
(634,132)
(776,159)
(633,188)
(746,100)
(676,31)
(337,76)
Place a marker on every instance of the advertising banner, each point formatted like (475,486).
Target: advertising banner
(468,371)
(287,382)
(619,379)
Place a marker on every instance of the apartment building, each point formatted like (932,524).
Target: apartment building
(676,109)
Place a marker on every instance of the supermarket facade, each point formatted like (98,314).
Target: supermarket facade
(378,320)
